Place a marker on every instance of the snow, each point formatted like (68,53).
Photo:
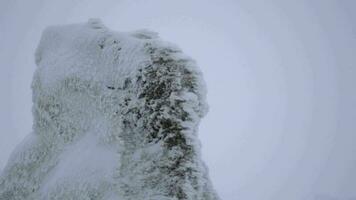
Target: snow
(115,117)
(86,161)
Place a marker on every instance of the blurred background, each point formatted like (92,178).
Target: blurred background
(281,77)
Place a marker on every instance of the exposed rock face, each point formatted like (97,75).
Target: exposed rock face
(115,117)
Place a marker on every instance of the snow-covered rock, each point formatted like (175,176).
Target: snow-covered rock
(115,117)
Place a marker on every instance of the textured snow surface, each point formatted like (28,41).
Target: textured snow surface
(115,117)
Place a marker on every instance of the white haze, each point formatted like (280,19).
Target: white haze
(280,77)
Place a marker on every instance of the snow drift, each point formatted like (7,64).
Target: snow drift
(115,117)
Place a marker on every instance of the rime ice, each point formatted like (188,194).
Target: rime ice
(115,117)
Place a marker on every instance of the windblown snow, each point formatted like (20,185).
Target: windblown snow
(116,116)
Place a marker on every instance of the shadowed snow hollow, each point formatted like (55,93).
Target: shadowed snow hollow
(115,117)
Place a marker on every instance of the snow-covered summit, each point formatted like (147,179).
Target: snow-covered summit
(115,117)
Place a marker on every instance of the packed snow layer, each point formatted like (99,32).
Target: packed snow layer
(115,117)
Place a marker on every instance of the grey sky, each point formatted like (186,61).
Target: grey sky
(280,76)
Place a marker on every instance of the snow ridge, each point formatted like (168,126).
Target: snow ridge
(116,116)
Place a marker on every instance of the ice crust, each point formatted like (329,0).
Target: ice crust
(115,117)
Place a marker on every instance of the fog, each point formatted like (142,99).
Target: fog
(280,77)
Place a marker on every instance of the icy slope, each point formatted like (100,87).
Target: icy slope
(115,117)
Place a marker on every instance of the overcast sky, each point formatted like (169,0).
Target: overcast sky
(281,77)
